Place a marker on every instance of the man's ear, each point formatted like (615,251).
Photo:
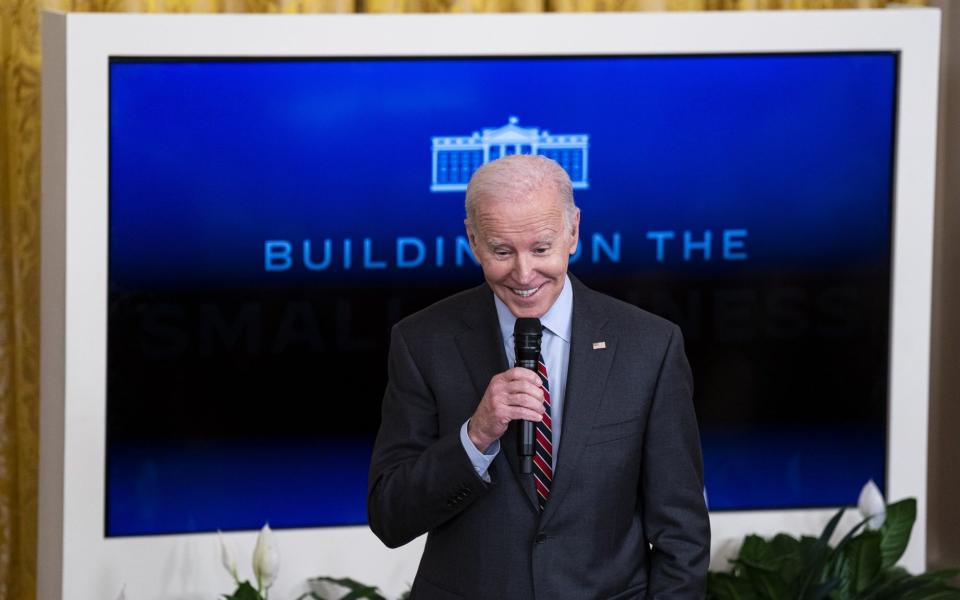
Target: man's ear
(574,231)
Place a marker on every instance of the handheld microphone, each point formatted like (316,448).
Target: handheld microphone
(526,339)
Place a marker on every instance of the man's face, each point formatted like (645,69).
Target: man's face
(524,247)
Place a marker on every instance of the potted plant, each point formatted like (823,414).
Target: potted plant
(862,566)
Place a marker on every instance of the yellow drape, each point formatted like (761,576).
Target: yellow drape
(20,198)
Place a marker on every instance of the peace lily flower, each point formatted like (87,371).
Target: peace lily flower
(228,557)
(266,559)
(872,506)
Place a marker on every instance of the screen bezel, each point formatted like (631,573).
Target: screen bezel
(75,252)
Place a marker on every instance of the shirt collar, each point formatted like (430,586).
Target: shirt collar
(557,319)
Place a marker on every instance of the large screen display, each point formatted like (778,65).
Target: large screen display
(271,219)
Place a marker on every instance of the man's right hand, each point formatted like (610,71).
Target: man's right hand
(512,395)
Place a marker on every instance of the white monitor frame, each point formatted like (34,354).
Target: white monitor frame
(77,561)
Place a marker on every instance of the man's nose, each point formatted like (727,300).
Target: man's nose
(523,269)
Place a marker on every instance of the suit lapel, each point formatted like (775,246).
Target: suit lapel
(482,351)
(586,379)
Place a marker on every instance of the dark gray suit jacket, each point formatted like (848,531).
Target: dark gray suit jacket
(626,515)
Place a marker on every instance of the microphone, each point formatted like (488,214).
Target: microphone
(526,342)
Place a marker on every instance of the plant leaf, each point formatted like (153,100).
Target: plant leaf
(356,590)
(244,591)
(765,582)
(897,584)
(369,593)
(787,553)
(862,563)
(896,530)
(938,592)
(756,551)
(823,590)
(886,580)
(943,575)
(726,586)
(831,526)
(817,556)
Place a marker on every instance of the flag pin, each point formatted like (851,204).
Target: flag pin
(599,345)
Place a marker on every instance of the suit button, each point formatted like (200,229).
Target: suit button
(541,538)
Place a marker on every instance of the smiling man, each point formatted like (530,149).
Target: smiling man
(614,507)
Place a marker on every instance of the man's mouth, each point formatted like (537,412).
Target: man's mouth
(526,292)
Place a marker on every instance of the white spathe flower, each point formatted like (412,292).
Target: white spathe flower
(872,506)
(228,557)
(266,558)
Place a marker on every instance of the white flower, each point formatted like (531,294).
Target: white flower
(228,557)
(872,505)
(266,559)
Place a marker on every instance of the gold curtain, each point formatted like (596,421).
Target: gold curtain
(20,199)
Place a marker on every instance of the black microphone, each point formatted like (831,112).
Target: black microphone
(526,342)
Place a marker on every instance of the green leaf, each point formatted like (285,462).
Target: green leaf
(357,590)
(934,592)
(839,564)
(765,582)
(943,575)
(786,555)
(244,591)
(850,534)
(831,526)
(369,593)
(817,558)
(896,530)
(811,549)
(726,586)
(886,580)
(783,543)
(823,590)
(897,584)
(862,563)
(756,551)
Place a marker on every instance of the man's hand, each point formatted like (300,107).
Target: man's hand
(510,396)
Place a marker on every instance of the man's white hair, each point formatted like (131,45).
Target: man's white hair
(514,178)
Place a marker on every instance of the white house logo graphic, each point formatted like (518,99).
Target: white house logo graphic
(455,158)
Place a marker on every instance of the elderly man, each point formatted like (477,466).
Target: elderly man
(614,506)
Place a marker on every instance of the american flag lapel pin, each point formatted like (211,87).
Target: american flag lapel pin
(599,345)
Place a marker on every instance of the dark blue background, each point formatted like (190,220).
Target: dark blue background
(208,159)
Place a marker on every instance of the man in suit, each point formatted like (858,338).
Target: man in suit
(614,508)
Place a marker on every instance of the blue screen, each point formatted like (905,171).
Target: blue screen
(271,219)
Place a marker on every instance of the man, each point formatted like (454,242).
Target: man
(614,508)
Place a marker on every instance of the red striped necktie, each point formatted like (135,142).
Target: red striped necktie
(543,456)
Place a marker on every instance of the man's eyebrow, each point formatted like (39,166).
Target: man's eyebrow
(495,242)
(547,238)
